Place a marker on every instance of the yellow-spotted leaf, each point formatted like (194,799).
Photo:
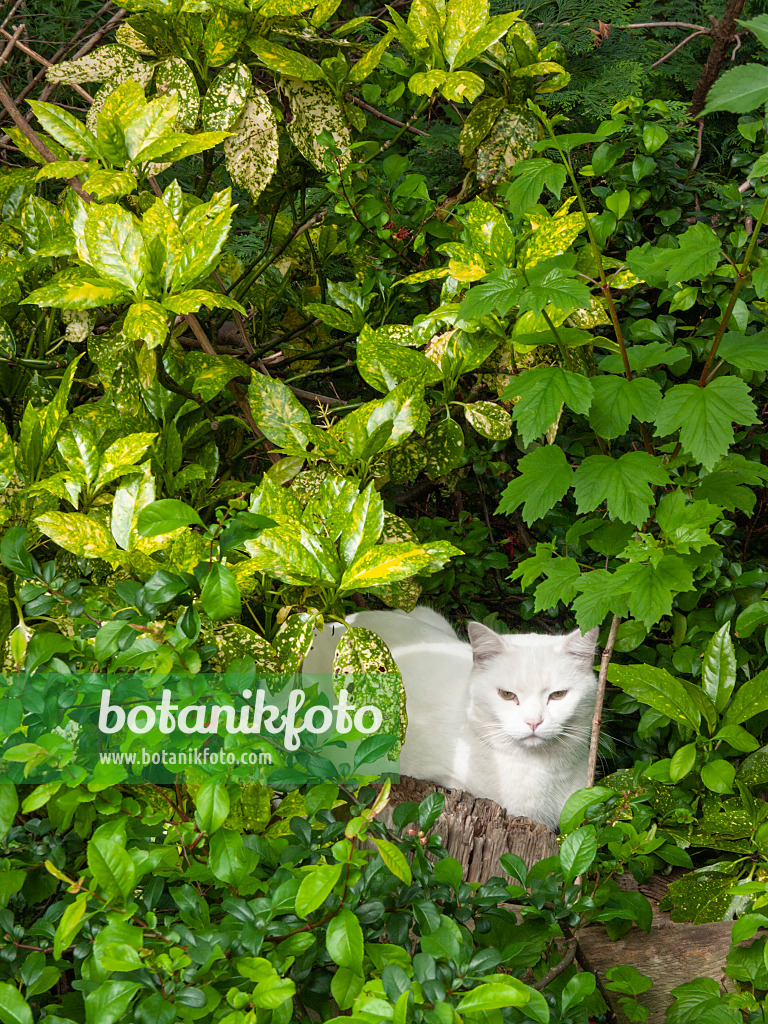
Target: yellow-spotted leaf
(490,420)
(226,98)
(314,110)
(389,562)
(146,321)
(174,75)
(80,534)
(251,152)
(284,62)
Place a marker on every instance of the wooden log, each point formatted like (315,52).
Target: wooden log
(476,832)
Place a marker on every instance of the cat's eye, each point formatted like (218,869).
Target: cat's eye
(508,695)
(558,695)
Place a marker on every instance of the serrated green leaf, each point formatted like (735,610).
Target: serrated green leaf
(616,400)
(739,90)
(622,483)
(542,391)
(545,477)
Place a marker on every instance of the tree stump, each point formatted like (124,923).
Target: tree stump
(475,831)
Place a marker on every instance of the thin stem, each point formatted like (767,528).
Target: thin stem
(597,718)
(744,273)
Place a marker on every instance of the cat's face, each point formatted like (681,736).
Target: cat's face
(532,689)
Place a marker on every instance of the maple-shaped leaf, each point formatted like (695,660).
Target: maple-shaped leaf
(623,484)
(686,523)
(698,255)
(498,292)
(617,400)
(746,352)
(542,391)
(600,594)
(544,478)
(651,587)
(560,585)
(531,568)
(705,416)
(554,281)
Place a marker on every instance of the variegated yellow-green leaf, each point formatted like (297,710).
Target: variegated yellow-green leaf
(511,139)
(284,62)
(407,461)
(212,373)
(124,452)
(553,237)
(147,322)
(66,169)
(363,665)
(592,317)
(80,534)
(130,498)
(278,413)
(226,98)
(476,43)
(489,420)
(462,86)
(423,275)
(314,109)
(545,67)
(224,35)
(294,638)
(371,59)
(383,365)
(235,641)
(478,123)
(251,153)
(66,129)
(444,448)
(424,83)
(191,300)
(103,184)
(331,316)
(323,11)
(73,289)
(127,35)
(108,63)
(293,554)
(404,595)
(390,562)
(156,120)
(7,461)
(175,75)
(463,19)
(117,108)
(114,245)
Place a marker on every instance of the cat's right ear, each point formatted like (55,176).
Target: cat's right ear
(486,644)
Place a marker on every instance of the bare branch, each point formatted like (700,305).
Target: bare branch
(700,32)
(597,718)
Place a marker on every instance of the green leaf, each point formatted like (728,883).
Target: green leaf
(739,90)
(623,483)
(698,255)
(498,292)
(70,923)
(211,806)
(683,760)
(616,400)
(553,282)
(542,391)
(530,178)
(718,669)
(685,523)
(9,806)
(544,479)
(14,1009)
(750,700)
(650,588)
(174,75)
(658,689)
(295,555)
(753,770)
(578,851)
(164,516)
(747,352)
(718,776)
(220,595)
(14,554)
(394,859)
(705,416)
(344,940)
(561,584)
(478,123)
(600,592)
(227,858)
(491,996)
(108,1003)
(315,888)
(363,665)
(112,869)
(489,420)
(371,59)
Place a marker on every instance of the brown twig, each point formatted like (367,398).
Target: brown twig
(35,140)
(385,117)
(46,63)
(557,970)
(313,396)
(10,14)
(11,43)
(673,51)
(597,718)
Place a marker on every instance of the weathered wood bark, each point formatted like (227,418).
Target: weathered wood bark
(723,36)
(476,832)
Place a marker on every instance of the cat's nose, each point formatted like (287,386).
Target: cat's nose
(534,725)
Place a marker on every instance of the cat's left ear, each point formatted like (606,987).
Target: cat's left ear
(582,645)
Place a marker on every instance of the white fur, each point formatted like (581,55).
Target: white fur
(527,756)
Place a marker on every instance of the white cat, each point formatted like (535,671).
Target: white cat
(503,717)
